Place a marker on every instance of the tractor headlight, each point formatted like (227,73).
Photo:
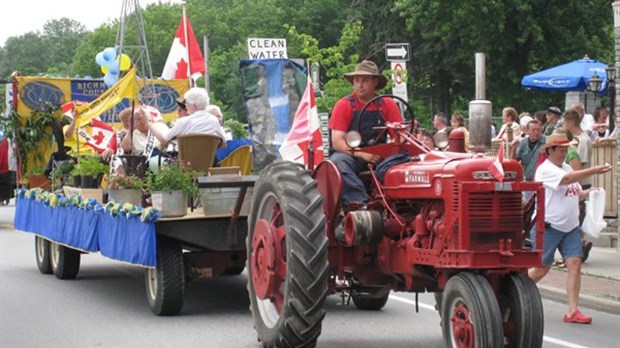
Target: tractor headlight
(441,140)
(353,139)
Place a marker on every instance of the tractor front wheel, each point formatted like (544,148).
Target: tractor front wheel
(470,313)
(287,257)
(522,311)
(370,301)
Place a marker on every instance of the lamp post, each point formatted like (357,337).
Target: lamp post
(611,96)
(594,85)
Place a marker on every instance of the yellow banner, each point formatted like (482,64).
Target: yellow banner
(125,88)
(37,93)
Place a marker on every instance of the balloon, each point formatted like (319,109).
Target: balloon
(124,62)
(113,68)
(110,79)
(100,59)
(104,69)
(109,54)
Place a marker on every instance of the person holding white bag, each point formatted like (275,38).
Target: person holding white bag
(562,231)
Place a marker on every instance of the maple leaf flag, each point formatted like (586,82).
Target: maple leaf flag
(496,168)
(185,58)
(305,131)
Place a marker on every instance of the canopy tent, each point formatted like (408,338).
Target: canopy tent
(567,77)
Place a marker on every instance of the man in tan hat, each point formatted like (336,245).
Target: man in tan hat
(366,80)
(562,232)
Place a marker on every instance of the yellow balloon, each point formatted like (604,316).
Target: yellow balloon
(124,62)
(104,69)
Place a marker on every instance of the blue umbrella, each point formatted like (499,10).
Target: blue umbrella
(567,77)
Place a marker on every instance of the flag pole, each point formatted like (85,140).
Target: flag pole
(189,61)
(206,49)
(311,140)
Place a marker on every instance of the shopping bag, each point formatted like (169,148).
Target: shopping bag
(594,223)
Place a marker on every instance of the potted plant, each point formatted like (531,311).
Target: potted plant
(90,169)
(32,135)
(62,172)
(125,188)
(35,178)
(170,189)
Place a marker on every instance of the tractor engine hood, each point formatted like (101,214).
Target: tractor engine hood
(425,173)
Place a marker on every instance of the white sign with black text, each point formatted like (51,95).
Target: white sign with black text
(260,48)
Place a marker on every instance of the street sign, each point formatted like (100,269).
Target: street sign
(397,51)
(399,75)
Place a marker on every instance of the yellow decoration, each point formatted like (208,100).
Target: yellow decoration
(124,62)
(104,69)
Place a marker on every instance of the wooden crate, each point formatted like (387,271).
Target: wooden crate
(85,193)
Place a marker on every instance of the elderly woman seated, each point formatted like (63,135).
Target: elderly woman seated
(144,142)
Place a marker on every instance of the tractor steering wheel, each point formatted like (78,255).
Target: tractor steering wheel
(407,108)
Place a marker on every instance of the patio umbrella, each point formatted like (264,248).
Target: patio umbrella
(567,77)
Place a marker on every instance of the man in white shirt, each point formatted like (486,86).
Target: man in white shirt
(199,121)
(562,231)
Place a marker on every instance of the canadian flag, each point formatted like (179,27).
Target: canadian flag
(305,131)
(496,168)
(68,109)
(185,58)
(101,134)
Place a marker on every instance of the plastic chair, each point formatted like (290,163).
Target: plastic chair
(197,151)
(241,157)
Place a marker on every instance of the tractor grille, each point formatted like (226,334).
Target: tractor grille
(493,216)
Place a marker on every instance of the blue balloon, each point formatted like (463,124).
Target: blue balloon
(110,79)
(109,54)
(114,68)
(100,59)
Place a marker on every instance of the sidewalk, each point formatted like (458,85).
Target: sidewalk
(600,282)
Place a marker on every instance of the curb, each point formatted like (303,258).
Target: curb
(587,301)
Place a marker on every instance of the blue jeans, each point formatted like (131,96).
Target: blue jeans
(353,189)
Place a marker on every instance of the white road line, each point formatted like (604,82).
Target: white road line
(432,308)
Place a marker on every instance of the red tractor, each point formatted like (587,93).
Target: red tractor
(439,222)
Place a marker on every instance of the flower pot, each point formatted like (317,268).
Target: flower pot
(134,165)
(40,181)
(88,182)
(170,203)
(125,196)
(77,181)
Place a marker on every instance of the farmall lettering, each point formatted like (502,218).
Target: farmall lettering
(416,177)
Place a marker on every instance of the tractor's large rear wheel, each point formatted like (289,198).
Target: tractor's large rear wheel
(522,312)
(470,313)
(287,257)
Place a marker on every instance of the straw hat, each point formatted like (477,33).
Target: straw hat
(367,68)
(556,139)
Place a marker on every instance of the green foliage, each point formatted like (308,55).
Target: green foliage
(332,60)
(518,37)
(64,168)
(237,128)
(122,181)
(172,178)
(30,134)
(89,166)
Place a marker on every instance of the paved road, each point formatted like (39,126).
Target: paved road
(106,307)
